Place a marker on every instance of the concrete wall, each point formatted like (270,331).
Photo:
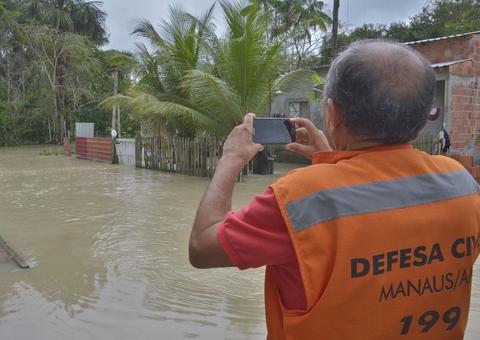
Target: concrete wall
(286,103)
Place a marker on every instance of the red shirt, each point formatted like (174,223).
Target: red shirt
(256,236)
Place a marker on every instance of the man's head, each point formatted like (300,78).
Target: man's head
(383,90)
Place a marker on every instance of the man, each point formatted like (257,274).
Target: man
(374,240)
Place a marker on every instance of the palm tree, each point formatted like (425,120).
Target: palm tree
(303,15)
(68,16)
(196,82)
(74,16)
(179,46)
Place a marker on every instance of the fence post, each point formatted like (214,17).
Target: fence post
(66,147)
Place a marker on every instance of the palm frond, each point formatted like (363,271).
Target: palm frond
(249,63)
(120,59)
(180,116)
(144,29)
(59,19)
(90,20)
(293,79)
(213,96)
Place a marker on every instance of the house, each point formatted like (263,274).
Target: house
(456,61)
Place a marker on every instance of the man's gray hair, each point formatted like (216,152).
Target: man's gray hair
(383,89)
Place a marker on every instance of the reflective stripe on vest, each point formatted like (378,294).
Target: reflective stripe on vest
(329,204)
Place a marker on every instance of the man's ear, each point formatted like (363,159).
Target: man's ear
(335,117)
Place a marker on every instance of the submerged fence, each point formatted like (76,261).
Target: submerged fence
(199,156)
(187,156)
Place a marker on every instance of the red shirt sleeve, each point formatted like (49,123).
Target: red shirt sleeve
(256,235)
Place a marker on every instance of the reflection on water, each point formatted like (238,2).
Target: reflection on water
(108,249)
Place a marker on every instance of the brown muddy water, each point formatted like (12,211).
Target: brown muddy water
(107,246)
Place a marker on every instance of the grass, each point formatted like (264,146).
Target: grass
(58,150)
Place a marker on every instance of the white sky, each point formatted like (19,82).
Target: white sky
(356,12)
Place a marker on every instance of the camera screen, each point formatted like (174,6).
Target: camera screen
(273,131)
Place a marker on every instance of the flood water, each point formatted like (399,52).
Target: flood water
(107,246)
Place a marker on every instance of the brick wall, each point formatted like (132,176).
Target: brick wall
(465,101)
(445,50)
(465,96)
(465,108)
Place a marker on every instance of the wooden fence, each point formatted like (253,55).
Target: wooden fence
(429,142)
(199,157)
(187,156)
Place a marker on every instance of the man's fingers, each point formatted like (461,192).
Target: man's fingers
(301,135)
(304,123)
(248,118)
(301,149)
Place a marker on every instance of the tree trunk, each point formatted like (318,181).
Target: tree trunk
(336,5)
(60,114)
(60,103)
(119,124)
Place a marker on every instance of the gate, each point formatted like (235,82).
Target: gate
(125,149)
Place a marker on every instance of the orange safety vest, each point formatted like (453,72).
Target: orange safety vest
(386,239)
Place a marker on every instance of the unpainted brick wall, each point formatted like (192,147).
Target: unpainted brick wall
(465,100)
(445,50)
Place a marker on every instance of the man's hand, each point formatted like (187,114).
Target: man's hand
(239,148)
(308,139)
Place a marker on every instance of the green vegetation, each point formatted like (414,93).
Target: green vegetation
(51,70)
(438,18)
(187,80)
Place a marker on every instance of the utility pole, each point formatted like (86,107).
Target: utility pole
(114,112)
(336,5)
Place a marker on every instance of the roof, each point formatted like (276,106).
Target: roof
(441,38)
(448,63)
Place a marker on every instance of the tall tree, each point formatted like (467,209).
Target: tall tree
(69,54)
(177,48)
(195,82)
(74,16)
(68,16)
(470,21)
(436,19)
(95,74)
(400,31)
(366,31)
(301,21)
(431,21)
(12,66)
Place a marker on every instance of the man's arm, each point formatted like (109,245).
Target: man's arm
(205,251)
